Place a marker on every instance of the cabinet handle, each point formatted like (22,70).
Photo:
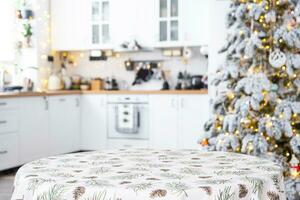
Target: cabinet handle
(3,152)
(77,102)
(173,103)
(3,103)
(182,103)
(62,100)
(46,103)
(3,122)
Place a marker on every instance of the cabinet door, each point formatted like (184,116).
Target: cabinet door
(69,24)
(100,24)
(164,121)
(93,122)
(145,22)
(9,156)
(194,112)
(34,139)
(168,23)
(195,21)
(123,21)
(64,114)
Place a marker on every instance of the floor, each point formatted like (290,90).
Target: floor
(6,184)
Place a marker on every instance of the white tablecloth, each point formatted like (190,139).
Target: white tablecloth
(144,174)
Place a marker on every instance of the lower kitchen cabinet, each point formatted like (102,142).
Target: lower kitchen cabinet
(193,113)
(93,122)
(9,151)
(34,138)
(177,120)
(64,124)
(37,127)
(163,121)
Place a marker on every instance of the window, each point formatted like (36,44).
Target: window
(7,31)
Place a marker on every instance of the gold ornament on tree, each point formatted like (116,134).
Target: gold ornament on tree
(277,58)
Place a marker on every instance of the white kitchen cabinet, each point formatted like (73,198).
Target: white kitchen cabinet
(163,121)
(64,124)
(9,133)
(177,120)
(34,138)
(145,23)
(9,156)
(9,104)
(181,23)
(70,24)
(106,24)
(168,23)
(100,24)
(123,21)
(195,22)
(9,121)
(93,122)
(193,113)
(132,20)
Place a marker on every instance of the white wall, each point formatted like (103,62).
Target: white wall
(7,32)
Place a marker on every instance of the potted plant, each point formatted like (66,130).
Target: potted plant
(27,33)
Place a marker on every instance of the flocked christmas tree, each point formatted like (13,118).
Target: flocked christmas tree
(257,109)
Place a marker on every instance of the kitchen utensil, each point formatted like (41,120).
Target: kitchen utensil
(54,82)
(197,82)
(97,84)
(84,87)
(76,80)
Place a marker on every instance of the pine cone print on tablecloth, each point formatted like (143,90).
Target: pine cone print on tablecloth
(158,194)
(273,196)
(243,191)
(78,192)
(207,189)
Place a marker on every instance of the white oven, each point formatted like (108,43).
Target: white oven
(128,117)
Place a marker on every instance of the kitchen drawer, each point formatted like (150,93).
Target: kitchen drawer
(9,104)
(9,122)
(8,151)
(128,144)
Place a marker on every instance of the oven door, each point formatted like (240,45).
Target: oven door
(137,130)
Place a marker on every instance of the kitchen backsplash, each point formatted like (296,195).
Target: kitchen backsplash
(114,66)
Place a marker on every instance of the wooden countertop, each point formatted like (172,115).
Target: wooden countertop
(128,92)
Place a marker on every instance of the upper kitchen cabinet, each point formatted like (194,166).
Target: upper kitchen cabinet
(100,24)
(107,24)
(181,23)
(195,22)
(168,22)
(132,20)
(70,24)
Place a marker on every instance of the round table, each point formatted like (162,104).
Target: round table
(143,174)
